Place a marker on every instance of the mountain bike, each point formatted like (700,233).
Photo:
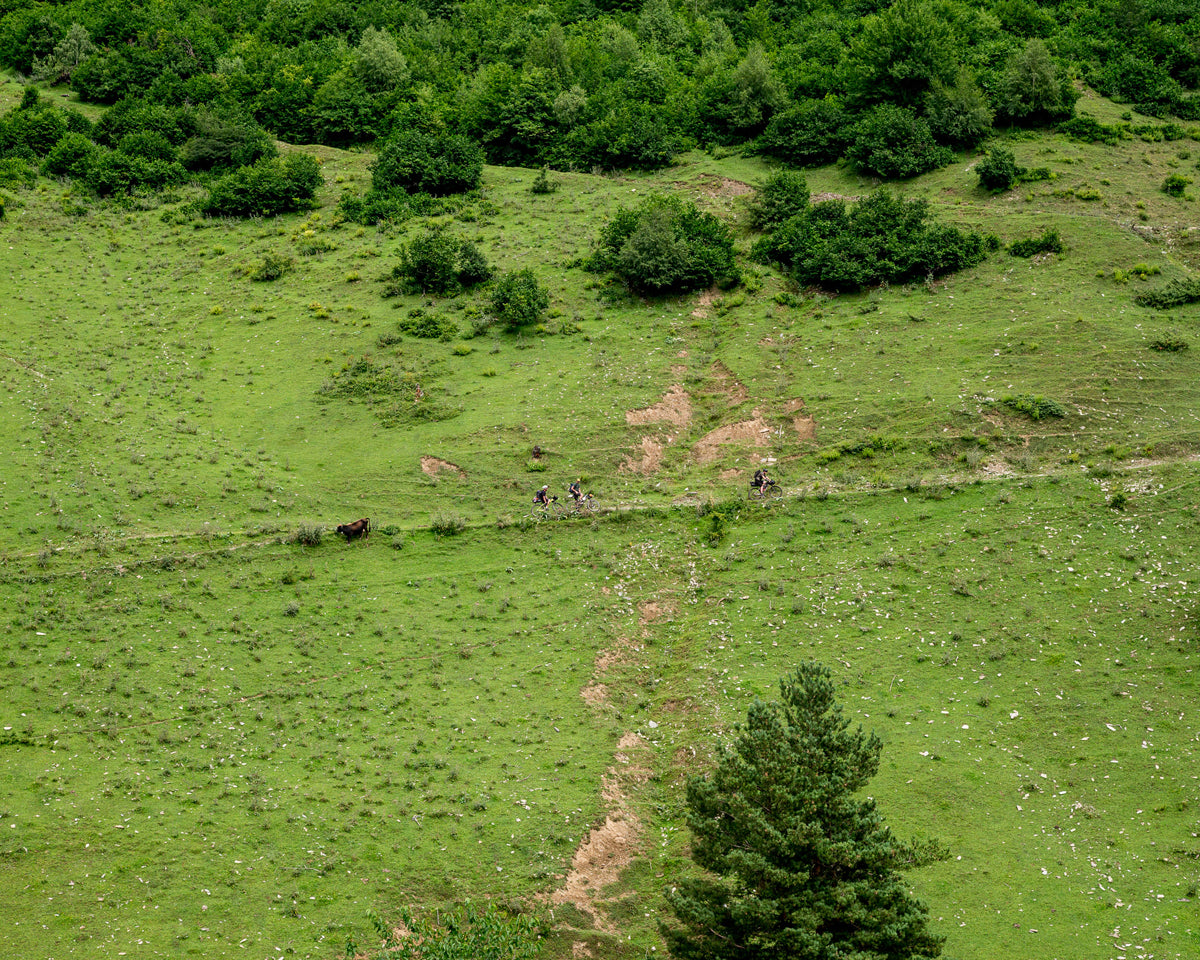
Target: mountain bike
(584,506)
(768,491)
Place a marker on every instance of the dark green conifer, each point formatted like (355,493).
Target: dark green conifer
(800,868)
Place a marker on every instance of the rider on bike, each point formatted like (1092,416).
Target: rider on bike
(574,490)
(542,496)
(761,480)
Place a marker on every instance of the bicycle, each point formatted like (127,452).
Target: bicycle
(768,491)
(585,505)
(547,510)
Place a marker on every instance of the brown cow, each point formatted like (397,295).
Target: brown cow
(359,528)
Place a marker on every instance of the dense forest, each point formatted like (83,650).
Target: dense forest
(582,84)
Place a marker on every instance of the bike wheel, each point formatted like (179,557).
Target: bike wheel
(773,492)
(539,511)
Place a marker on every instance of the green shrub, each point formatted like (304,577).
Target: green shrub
(308,535)
(473,267)
(893,143)
(542,183)
(427,263)
(1087,129)
(519,299)
(219,144)
(1033,87)
(104,77)
(1170,342)
(428,326)
(958,114)
(880,239)
(784,195)
(434,261)
(266,188)
(111,172)
(1048,242)
(15,172)
(67,55)
(271,267)
(1035,407)
(365,379)
(1175,185)
(716,531)
(70,157)
(148,144)
(630,135)
(30,134)
(809,134)
(418,162)
(666,245)
(446,525)
(135,116)
(1176,293)
(998,171)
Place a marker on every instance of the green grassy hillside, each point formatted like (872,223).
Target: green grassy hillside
(222,742)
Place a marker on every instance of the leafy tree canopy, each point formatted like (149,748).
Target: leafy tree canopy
(420,162)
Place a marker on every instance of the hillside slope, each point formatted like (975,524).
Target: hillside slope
(222,739)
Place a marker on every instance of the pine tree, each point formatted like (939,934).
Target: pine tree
(799,867)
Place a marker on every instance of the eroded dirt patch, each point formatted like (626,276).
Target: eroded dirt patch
(618,653)
(675,408)
(651,610)
(805,427)
(609,848)
(595,694)
(706,300)
(749,433)
(432,466)
(650,458)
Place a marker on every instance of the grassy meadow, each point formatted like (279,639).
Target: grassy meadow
(219,741)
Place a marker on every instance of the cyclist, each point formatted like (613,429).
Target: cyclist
(761,480)
(574,490)
(543,495)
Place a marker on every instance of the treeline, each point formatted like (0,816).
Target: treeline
(621,83)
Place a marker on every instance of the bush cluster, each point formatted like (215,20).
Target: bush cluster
(894,143)
(428,326)
(135,146)
(620,84)
(1175,185)
(1048,242)
(881,239)
(519,299)
(414,161)
(783,196)
(666,245)
(1177,293)
(266,188)
(435,261)
(1035,407)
